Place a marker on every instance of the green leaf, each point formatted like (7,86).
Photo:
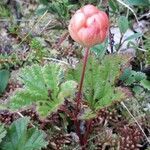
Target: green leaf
(2,132)
(41,10)
(138,90)
(4,11)
(60,9)
(19,137)
(45,2)
(4,78)
(125,74)
(88,114)
(100,49)
(41,87)
(99,82)
(146,84)
(134,36)
(138,2)
(130,77)
(68,89)
(3,106)
(123,24)
(113,4)
(139,76)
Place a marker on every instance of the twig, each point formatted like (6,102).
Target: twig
(111,40)
(111,36)
(20,114)
(23,116)
(120,42)
(45,26)
(57,60)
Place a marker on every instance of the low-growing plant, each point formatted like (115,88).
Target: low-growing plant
(79,93)
(4,11)
(19,136)
(100,81)
(38,51)
(60,8)
(42,86)
(135,79)
(49,87)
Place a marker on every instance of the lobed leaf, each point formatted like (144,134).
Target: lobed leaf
(43,88)
(100,79)
(20,138)
(123,24)
(4,78)
(2,132)
(40,88)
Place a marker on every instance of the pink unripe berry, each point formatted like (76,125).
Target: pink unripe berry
(89,26)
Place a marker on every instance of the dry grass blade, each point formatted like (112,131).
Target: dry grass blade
(124,4)
(38,21)
(123,104)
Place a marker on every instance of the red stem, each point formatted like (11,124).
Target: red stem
(89,123)
(82,77)
(71,115)
(76,121)
(74,116)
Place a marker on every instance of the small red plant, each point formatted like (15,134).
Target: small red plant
(88,26)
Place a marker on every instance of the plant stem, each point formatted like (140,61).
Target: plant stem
(111,40)
(120,42)
(89,123)
(82,77)
(78,100)
(111,36)
(74,116)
